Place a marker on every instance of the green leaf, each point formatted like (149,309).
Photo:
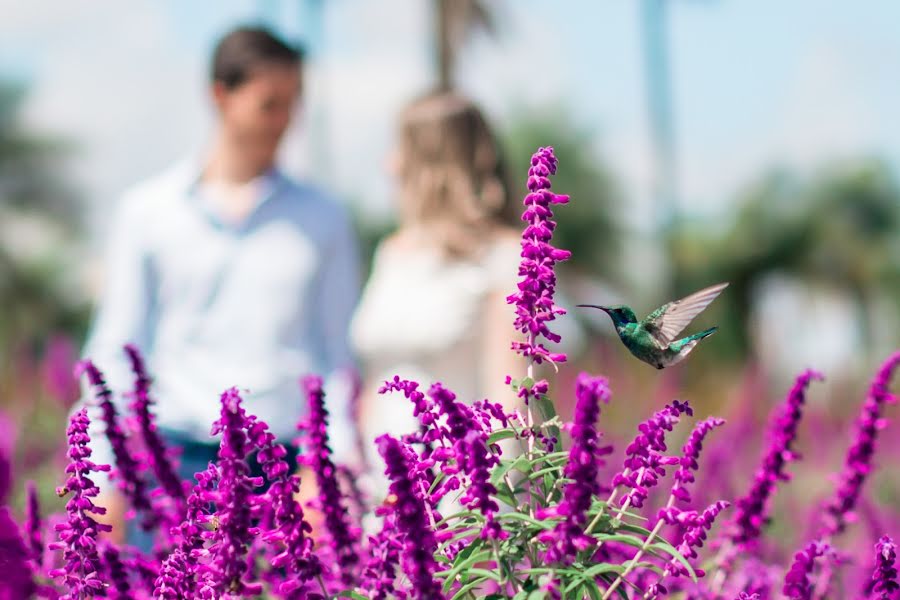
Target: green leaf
(466,588)
(621,537)
(350,594)
(540,524)
(474,557)
(485,573)
(502,434)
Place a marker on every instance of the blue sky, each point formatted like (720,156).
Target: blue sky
(756,83)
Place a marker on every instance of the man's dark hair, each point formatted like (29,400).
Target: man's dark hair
(244,49)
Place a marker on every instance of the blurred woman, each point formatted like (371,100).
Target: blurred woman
(434,308)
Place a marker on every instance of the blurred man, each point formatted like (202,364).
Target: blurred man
(226,272)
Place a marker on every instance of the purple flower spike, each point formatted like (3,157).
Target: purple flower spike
(331,501)
(797,584)
(410,514)
(78,535)
(690,454)
(157,454)
(534,300)
(178,574)
(381,570)
(290,529)
(15,572)
(127,471)
(751,513)
(645,462)
(746,596)
(33,525)
(884,578)
(7,443)
(235,533)
(858,463)
(568,537)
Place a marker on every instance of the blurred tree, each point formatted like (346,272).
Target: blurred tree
(40,222)
(587,226)
(454,20)
(841,227)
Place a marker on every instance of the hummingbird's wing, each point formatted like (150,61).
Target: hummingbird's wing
(667,321)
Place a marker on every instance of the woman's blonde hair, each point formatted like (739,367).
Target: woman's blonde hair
(452,179)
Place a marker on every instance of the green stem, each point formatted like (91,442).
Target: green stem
(637,557)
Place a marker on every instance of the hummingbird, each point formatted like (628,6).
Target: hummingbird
(653,339)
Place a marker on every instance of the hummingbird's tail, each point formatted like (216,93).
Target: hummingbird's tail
(702,334)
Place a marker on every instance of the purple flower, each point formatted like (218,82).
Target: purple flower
(7,443)
(235,532)
(33,524)
(534,299)
(746,596)
(115,573)
(645,462)
(410,515)
(696,524)
(127,471)
(568,537)
(884,578)
(78,535)
(751,513)
(797,584)
(690,454)
(331,501)
(381,570)
(178,574)
(858,463)
(158,456)
(15,571)
(290,530)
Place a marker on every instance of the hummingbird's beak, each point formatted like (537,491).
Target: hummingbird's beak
(603,308)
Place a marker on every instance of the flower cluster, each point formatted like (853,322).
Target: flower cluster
(751,513)
(529,521)
(289,531)
(235,531)
(645,463)
(690,455)
(127,471)
(78,535)
(858,463)
(885,576)
(157,454)
(569,537)
(17,580)
(534,303)
(331,501)
(409,510)
(797,583)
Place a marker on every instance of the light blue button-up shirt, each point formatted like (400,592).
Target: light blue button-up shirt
(213,305)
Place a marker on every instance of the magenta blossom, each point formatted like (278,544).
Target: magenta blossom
(534,299)
(78,535)
(858,463)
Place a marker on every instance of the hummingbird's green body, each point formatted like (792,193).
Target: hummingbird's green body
(652,339)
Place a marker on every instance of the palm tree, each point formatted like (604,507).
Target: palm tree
(454,21)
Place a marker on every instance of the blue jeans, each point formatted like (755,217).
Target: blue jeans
(195,457)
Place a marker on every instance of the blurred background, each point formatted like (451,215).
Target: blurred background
(747,141)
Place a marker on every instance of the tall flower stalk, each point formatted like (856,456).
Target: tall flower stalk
(157,454)
(409,510)
(127,470)
(858,463)
(235,530)
(331,501)
(78,535)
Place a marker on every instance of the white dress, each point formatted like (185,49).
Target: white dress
(421,317)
